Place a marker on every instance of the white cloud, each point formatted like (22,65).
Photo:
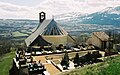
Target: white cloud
(54,7)
(8,10)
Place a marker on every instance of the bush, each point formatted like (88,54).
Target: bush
(76,60)
(111,52)
(65,61)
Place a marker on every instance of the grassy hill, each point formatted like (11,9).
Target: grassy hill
(6,63)
(18,34)
(111,66)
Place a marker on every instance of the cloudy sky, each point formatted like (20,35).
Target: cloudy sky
(29,9)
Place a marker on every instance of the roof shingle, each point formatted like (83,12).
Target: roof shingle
(101,35)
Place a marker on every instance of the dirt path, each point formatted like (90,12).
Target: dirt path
(41,58)
(52,69)
(49,67)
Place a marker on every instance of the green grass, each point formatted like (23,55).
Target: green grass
(113,68)
(18,34)
(87,70)
(110,67)
(6,63)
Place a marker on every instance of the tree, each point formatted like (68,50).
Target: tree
(110,44)
(76,60)
(61,47)
(65,61)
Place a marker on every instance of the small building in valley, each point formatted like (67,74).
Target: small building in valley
(99,39)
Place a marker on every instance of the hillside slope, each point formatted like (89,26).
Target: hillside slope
(6,63)
(110,67)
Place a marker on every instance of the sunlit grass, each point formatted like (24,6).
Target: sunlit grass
(110,67)
(113,68)
(18,34)
(6,63)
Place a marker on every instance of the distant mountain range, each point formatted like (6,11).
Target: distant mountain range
(67,16)
(108,16)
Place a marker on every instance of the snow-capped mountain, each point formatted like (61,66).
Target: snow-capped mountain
(107,16)
(69,16)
